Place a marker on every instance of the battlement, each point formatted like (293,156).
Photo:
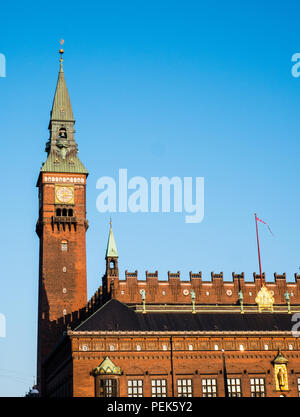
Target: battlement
(239,277)
(174,291)
(216,290)
(216,276)
(75,317)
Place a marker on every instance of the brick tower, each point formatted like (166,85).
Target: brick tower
(61,227)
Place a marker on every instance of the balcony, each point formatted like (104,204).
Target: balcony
(64,219)
(64,222)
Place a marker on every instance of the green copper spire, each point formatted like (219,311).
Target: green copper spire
(61,147)
(111,251)
(61,107)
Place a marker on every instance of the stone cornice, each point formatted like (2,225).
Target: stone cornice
(127,333)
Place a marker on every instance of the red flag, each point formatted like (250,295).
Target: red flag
(265,224)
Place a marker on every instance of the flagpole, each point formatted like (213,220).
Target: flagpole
(261,279)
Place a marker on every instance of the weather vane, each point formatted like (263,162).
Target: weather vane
(61,51)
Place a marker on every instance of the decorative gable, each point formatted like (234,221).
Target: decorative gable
(107,367)
(264,299)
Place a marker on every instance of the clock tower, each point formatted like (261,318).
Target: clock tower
(61,227)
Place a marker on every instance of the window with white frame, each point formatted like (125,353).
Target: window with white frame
(108,388)
(234,387)
(257,387)
(298,383)
(209,387)
(135,387)
(64,245)
(158,387)
(184,387)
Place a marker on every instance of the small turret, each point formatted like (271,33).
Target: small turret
(112,270)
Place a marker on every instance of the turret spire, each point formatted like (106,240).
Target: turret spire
(111,251)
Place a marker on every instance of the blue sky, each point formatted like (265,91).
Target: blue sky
(174,88)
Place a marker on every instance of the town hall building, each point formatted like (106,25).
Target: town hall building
(153,337)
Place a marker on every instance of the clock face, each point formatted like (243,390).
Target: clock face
(64,195)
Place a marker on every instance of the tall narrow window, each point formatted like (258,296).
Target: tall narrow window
(64,245)
(298,383)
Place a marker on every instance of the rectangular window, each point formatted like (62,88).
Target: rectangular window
(64,246)
(108,388)
(234,387)
(135,387)
(298,383)
(158,387)
(209,387)
(184,387)
(257,387)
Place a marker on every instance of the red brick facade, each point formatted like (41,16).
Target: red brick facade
(87,351)
(62,281)
(159,355)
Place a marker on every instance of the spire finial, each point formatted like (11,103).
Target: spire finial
(61,51)
(110,222)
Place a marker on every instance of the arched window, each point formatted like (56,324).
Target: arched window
(62,133)
(64,245)
(64,212)
(112,264)
(58,212)
(70,212)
